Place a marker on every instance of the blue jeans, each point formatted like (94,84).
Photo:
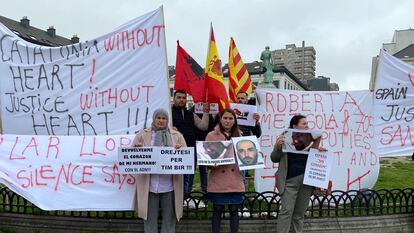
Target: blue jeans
(189,180)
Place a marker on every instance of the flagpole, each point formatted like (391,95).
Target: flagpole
(207,59)
(166,67)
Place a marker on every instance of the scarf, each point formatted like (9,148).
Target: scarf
(162,136)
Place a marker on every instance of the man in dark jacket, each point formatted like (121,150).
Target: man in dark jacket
(187,122)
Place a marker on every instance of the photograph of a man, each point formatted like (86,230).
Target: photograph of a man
(216,150)
(248,153)
(212,153)
(301,141)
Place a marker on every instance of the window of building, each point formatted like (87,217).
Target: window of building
(15,32)
(32,37)
(276,83)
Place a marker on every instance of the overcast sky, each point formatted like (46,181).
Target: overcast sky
(345,34)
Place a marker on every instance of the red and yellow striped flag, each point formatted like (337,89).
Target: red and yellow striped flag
(239,78)
(216,89)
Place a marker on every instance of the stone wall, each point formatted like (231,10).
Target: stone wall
(47,224)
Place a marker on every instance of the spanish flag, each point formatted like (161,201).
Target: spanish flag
(216,90)
(239,78)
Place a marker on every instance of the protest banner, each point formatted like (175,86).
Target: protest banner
(244,113)
(67,172)
(346,121)
(108,85)
(318,168)
(248,152)
(211,153)
(301,141)
(394,106)
(156,160)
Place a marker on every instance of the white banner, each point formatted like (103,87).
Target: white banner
(318,168)
(347,124)
(67,172)
(394,106)
(156,160)
(108,85)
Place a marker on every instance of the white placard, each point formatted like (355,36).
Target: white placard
(394,106)
(156,160)
(108,85)
(214,108)
(244,113)
(318,168)
(199,108)
(212,153)
(248,153)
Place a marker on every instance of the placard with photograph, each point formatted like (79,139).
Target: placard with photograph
(301,141)
(198,108)
(244,113)
(211,153)
(248,153)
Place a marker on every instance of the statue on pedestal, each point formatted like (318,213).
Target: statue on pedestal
(267,66)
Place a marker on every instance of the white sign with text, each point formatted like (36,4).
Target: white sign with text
(318,168)
(156,160)
(394,106)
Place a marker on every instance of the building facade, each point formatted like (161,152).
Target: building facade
(301,61)
(401,46)
(322,83)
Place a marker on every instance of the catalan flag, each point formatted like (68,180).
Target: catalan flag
(216,89)
(239,78)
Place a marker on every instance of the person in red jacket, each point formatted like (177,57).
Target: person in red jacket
(225,182)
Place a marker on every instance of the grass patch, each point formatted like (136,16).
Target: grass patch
(397,176)
(6,230)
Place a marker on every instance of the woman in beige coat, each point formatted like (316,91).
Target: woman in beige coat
(156,189)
